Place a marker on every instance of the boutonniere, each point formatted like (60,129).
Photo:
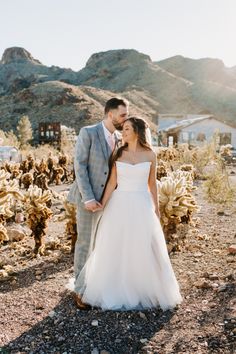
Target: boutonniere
(119,143)
(118,139)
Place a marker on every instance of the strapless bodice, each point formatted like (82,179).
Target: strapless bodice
(132,177)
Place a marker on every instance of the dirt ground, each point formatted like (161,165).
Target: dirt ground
(38,315)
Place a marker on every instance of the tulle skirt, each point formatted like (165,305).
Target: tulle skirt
(129,267)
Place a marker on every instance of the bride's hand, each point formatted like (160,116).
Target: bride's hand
(98,207)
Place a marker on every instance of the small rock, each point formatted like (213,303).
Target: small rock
(188,310)
(143,340)
(38,271)
(216,250)
(205,275)
(222,288)
(215,285)
(52,314)
(202,284)
(142,315)
(230,276)
(61,339)
(94,323)
(198,254)
(8,268)
(232,249)
(3,273)
(204,302)
(95,351)
(15,234)
(19,218)
(213,277)
(221,213)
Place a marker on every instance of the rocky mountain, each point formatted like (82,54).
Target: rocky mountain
(174,85)
(197,70)
(19,70)
(178,84)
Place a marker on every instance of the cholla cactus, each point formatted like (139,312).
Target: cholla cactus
(41,181)
(226,150)
(57,173)
(37,215)
(27,179)
(70,216)
(162,169)
(167,154)
(3,234)
(9,192)
(187,175)
(71,227)
(176,202)
(189,168)
(42,167)
(31,161)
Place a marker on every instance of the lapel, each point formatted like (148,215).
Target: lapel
(102,140)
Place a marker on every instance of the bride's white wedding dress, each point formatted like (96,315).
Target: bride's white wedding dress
(129,267)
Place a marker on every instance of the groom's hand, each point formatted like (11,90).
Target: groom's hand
(93,206)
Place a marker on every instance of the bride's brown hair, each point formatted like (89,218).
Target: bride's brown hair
(139,125)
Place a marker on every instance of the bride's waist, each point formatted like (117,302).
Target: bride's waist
(132,189)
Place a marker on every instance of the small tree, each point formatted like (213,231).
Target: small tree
(24,131)
(9,138)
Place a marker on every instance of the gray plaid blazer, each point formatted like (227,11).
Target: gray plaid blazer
(91,164)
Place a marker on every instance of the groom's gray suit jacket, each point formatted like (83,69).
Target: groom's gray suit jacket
(91,165)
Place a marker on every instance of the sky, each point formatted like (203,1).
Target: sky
(66,33)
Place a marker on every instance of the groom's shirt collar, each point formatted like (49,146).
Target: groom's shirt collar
(107,133)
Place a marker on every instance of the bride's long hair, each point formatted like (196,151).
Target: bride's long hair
(140,127)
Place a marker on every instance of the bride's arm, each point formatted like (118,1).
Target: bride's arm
(110,187)
(152,183)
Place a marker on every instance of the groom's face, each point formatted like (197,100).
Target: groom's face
(119,116)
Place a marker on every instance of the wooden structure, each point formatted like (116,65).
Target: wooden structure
(49,132)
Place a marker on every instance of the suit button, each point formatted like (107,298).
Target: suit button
(105,173)
(102,185)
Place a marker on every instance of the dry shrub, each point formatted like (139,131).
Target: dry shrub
(217,186)
(9,139)
(39,152)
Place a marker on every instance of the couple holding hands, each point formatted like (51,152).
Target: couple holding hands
(121,260)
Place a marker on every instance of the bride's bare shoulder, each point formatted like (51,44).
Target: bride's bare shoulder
(151,155)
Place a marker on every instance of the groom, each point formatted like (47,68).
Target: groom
(93,148)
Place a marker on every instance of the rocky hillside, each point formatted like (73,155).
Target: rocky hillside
(174,85)
(57,101)
(177,84)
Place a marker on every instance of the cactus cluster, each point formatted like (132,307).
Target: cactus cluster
(38,215)
(177,203)
(9,193)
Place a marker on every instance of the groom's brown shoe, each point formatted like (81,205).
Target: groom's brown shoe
(80,304)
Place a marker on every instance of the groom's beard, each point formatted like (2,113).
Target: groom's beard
(118,126)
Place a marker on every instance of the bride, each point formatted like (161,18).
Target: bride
(129,267)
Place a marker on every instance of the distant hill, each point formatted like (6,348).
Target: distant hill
(174,85)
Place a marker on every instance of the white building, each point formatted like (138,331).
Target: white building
(194,129)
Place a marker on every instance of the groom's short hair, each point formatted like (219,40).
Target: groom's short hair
(114,103)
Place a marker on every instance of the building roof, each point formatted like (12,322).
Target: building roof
(186,122)
(7,148)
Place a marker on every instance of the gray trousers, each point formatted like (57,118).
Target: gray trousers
(87,223)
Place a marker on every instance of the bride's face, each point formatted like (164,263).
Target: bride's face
(128,133)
